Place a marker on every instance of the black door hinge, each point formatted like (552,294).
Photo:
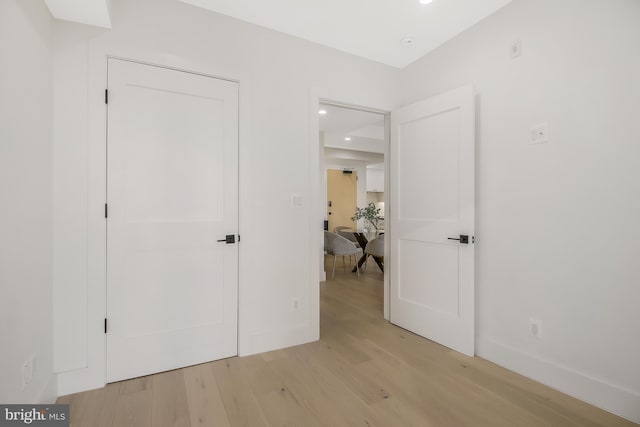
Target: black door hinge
(106,210)
(105,325)
(106,96)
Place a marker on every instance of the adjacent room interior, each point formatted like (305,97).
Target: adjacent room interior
(352,164)
(176,174)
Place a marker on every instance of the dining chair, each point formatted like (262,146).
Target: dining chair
(342,231)
(375,248)
(336,245)
(350,237)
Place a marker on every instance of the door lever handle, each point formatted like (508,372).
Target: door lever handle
(462,239)
(229,239)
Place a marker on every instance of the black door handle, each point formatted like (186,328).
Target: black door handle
(229,239)
(462,239)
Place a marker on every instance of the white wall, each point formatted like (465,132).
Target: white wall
(279,76)
(25,200)
(558,230)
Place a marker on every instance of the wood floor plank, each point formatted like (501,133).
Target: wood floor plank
(94,408)
(99,409)
(279,405)
(169,406)
(133,409)
(260,376)
(206,408)
(240,404)
(133,406)
(135,385)
(323,395)
(367,388)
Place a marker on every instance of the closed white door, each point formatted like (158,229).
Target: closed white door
(432,196)
(172,193)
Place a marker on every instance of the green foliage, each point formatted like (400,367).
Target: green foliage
(370,214)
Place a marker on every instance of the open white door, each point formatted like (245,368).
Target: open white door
(432,200)
(172,193)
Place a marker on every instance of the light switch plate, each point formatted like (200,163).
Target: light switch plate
(297,200)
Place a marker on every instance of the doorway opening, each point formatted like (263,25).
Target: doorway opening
(354,145)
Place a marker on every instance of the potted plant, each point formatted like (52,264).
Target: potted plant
(371,216)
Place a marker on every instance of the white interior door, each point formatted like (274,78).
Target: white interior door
(172,192)
(432,196)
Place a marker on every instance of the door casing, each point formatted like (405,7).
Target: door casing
(316,164)
(93,374)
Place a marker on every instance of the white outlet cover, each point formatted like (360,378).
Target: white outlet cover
(535,328)
(26,374)
(32,367)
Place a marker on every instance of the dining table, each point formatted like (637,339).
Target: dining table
(363,237)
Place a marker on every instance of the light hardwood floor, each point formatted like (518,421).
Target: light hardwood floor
(363,372)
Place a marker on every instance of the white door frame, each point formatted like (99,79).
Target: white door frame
(318,166)
(93,375)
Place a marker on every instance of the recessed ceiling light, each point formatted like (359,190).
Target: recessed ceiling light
(425,1)
(407,41)
(348,138)
(322,112)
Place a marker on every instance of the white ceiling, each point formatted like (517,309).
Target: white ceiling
(347,158)
(365,129)
(371,29)
(345,120)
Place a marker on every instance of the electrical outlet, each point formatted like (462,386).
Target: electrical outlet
(535,328)
(32,367)
(295,304)
(26,373)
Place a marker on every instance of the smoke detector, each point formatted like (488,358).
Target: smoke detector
(407,41)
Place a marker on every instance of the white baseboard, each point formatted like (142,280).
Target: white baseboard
(77,381)
(49,392)
(276,340)
(617,400)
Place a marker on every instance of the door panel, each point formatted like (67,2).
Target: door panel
(428,154)
(432,190)
(172,192)
(428,288)
(342,192)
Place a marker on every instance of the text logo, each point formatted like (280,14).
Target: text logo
(34,415)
